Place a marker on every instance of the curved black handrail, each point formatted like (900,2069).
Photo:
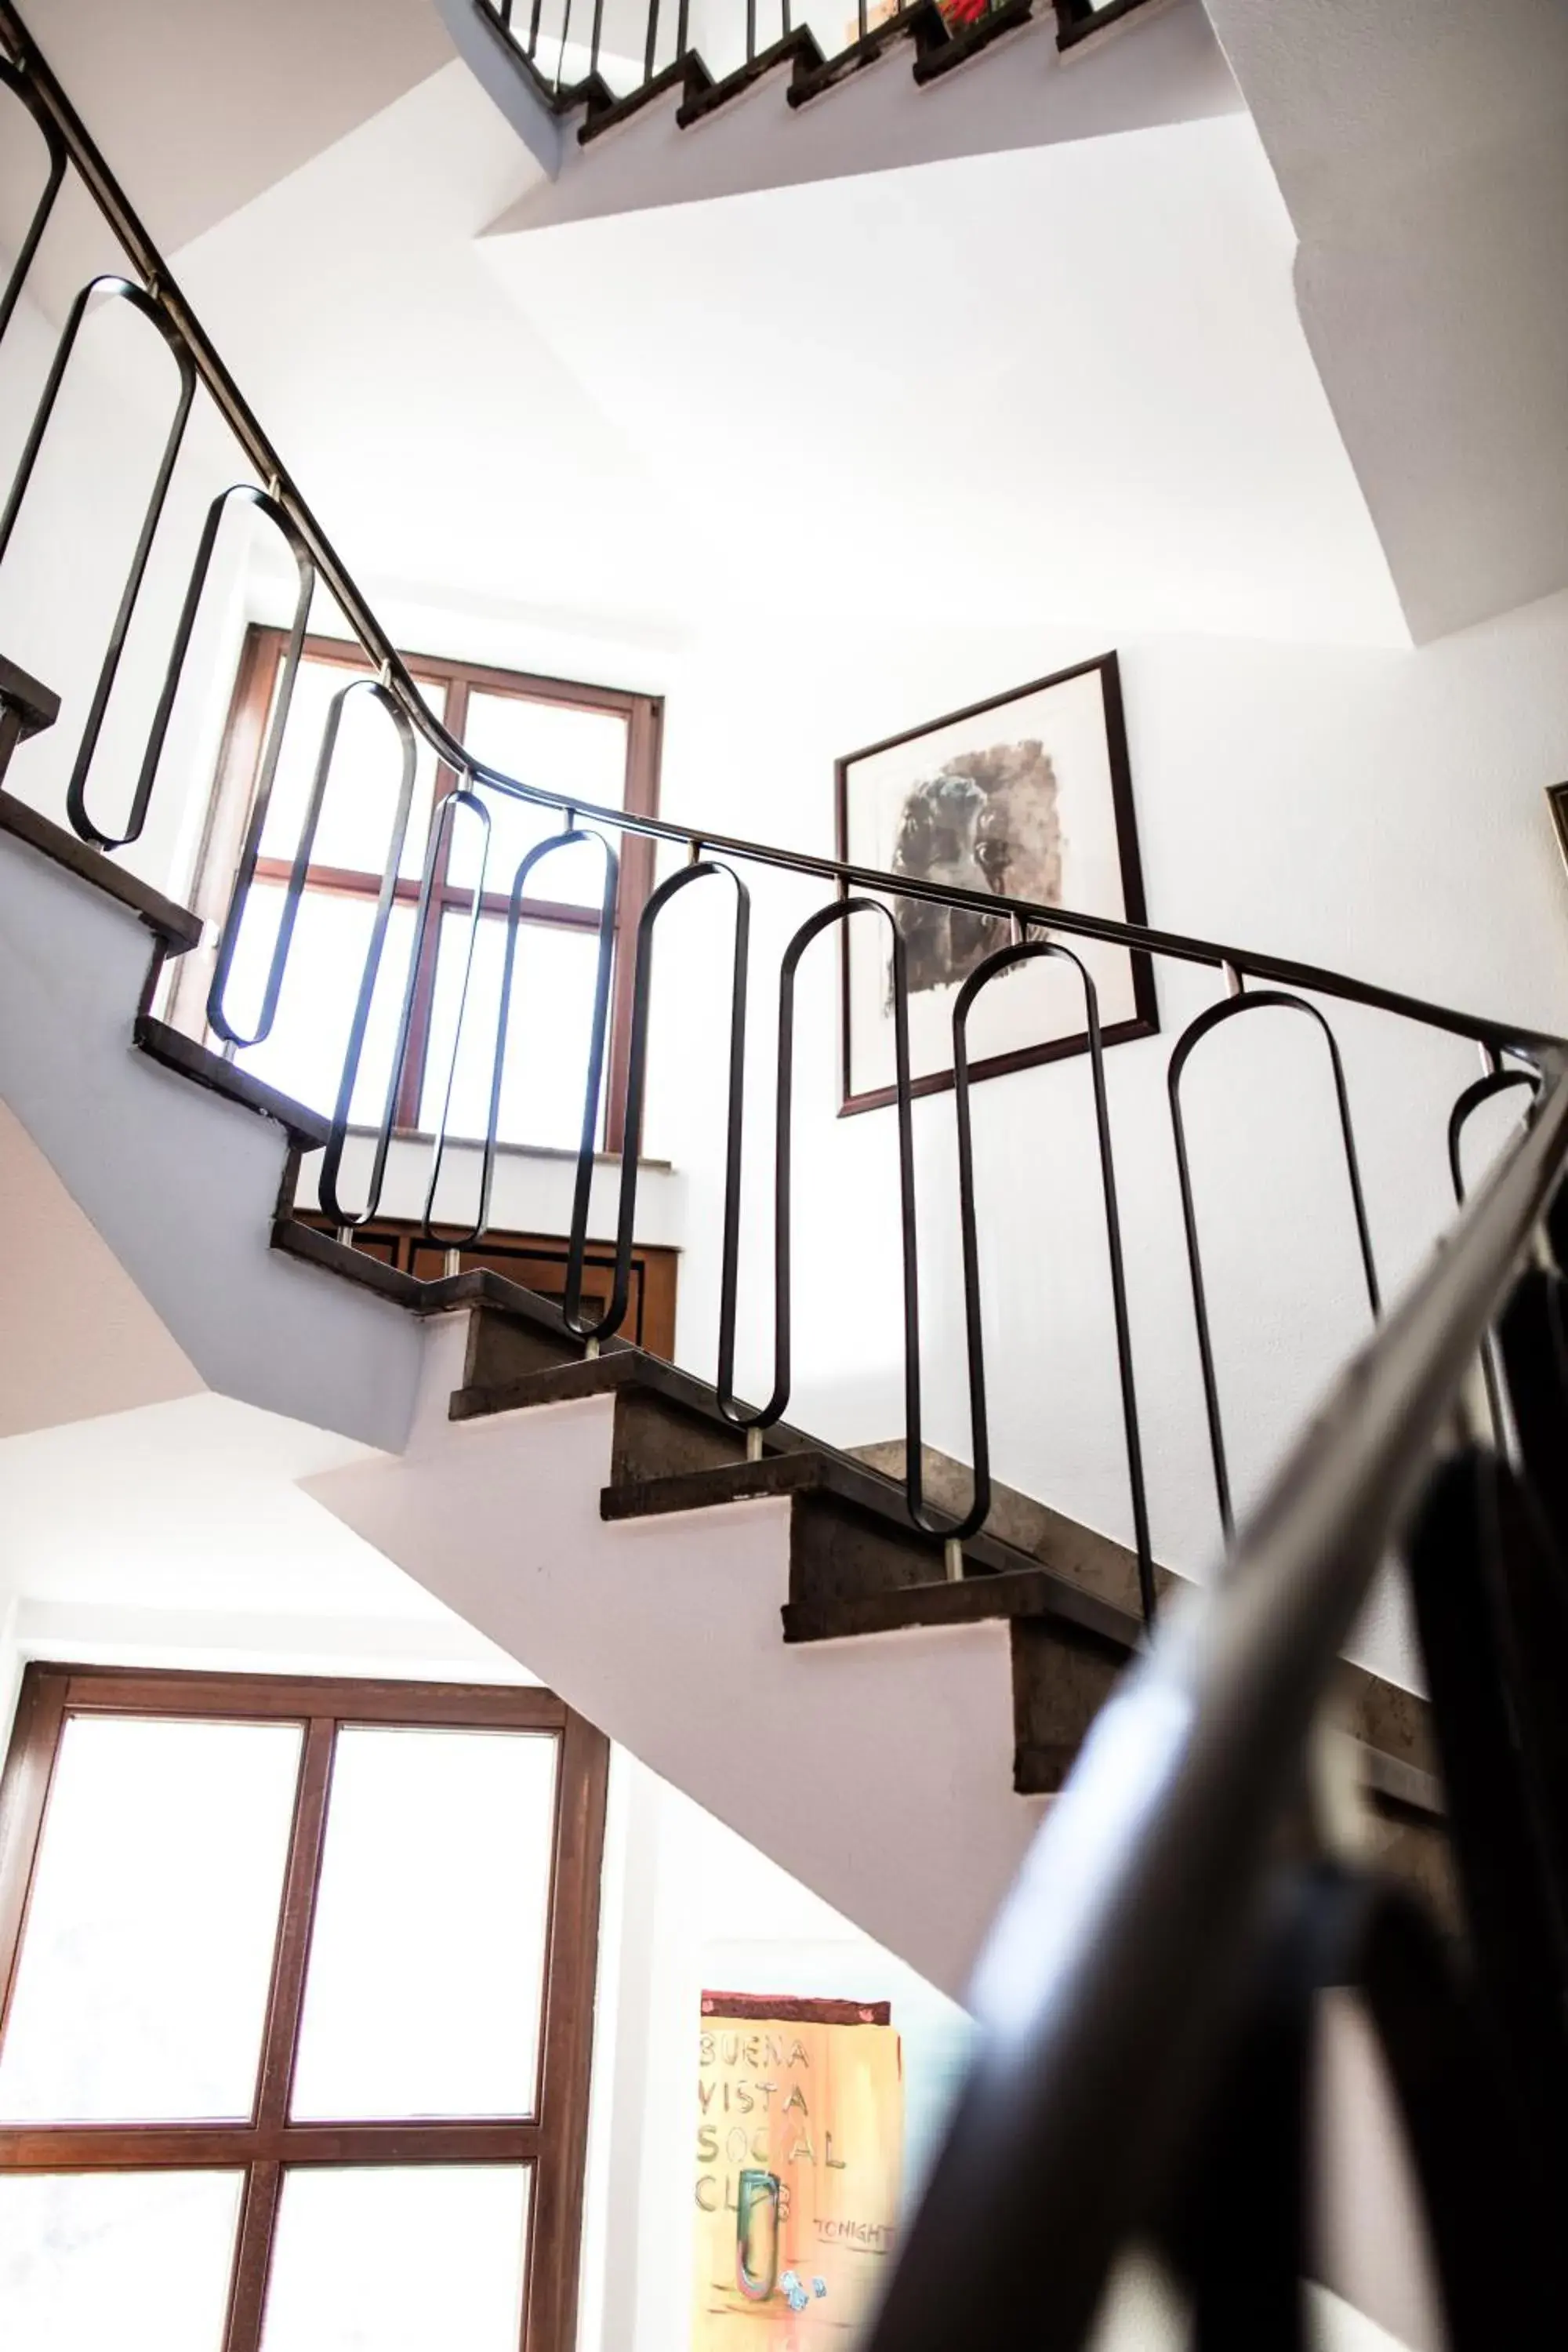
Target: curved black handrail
(1104,1995)
(1503,1036)
(114,290)
(1023,951)
(1254,1001)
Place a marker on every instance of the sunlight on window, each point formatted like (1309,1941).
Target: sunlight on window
(137,2260)
(355,828)
(404,2258)
(303,1055)
(578,753)
(148,1948)
(549,1028)
(427,1965)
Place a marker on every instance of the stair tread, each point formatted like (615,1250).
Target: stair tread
(175,926)
(976,1599)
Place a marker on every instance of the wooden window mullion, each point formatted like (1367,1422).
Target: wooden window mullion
(252,2257)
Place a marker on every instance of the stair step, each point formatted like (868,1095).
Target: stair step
(800,51)
(968,43)
(925,26)
(174,927)
(175,1051)
(687,74)
(836,1617)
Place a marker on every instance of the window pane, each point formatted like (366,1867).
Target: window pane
(140,2260)
(399,2259)
(580,753)
(426,1961)
(547,1051)
(304,1054)
(355,829)
(144,1968)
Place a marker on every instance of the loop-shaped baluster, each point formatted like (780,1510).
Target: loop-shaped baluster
(117,289)
(594,1080)
(1497,1081)
(18,84)
(1484,1090)
(842,910)
(1252,1000)
(333,1157)
(294,646)
(1025,951)
(240,898)
(614,1313)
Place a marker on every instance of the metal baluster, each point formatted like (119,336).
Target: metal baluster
(333,1157)
(842,911)
(117,289)
(54,145)
(240,898)
(476,913)
(1256,1001)
(566,839)
(636,1082)
(1006,960)
(305,572)
(1495,1081)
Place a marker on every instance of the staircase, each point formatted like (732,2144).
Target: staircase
(953,1655)
(652,104)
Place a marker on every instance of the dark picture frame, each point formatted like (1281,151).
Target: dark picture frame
(1557,802)
(855,848)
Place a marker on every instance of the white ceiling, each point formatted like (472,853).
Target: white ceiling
(1066,383)
(276,84)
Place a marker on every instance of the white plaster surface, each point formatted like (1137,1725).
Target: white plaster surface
(879,1772)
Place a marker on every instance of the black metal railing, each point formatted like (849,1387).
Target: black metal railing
(1157,1948)
(1256,982)
(1156,1965)
(603,54)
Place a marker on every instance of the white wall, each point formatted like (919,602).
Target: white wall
(689,1906)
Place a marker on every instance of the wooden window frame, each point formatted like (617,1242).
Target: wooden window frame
(552,2142)
(239,760)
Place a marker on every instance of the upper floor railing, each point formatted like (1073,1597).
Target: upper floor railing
(1148,1994)
(603,55)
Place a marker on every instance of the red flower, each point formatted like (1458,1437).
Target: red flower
(965,11)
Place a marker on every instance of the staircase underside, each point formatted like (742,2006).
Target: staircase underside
(770,1633)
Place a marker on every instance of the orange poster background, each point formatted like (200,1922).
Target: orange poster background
(819,2107)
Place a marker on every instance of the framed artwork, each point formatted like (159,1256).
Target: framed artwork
(1026,796)
(1557,800)
(799,2149)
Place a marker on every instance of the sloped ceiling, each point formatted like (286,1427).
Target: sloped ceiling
(1422,148)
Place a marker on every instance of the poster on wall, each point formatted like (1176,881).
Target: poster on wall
(1027,797)
(800,2127)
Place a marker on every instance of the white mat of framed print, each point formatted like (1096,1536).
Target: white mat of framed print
(1027,797)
